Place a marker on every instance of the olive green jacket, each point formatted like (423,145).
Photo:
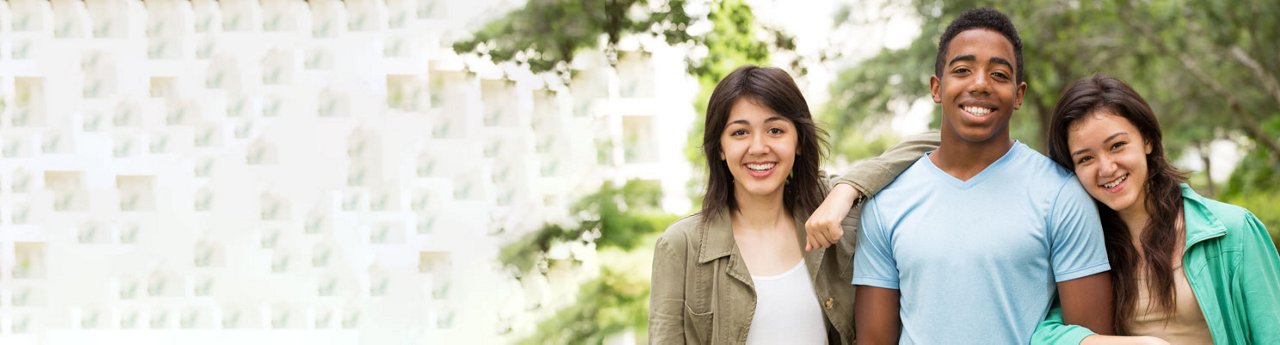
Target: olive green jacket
(1233,270)
(703,294)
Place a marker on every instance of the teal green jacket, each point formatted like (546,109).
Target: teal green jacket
(1233,269)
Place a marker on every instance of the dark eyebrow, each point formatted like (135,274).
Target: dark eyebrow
(1001,61)
(962,58)
(1108,139)
(771,118)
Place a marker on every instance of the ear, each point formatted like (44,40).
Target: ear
(1017,95)
(935,85)
(1147,146)
(721,154)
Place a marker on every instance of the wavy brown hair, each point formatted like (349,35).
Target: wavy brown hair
(772,88)
(1102,93)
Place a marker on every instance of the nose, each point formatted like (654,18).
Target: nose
(758,145)
(981,84)
(1106,166)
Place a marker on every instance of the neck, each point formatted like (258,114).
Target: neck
(759,213)
(964,159)
(1136,219)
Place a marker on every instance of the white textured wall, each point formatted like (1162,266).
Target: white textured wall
(282,172)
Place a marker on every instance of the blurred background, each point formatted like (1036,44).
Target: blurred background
(488,171)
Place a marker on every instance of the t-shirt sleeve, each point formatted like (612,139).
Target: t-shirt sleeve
(1076,235)
(873,262)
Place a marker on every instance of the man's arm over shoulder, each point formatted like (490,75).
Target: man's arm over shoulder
(870,175)
(826,226)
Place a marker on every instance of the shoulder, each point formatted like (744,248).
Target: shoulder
(916,175)
(1236,219)
(1048,178)
(682,232)
(1041,166)
(1240,225)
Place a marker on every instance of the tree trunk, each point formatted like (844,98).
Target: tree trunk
(1210,191)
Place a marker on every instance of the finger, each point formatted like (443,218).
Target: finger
(811,235)
(834,232)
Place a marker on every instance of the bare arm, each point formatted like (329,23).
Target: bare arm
(1087,302)
(875,315)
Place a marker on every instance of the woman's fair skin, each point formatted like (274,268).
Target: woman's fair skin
(759,147)
(1110,160)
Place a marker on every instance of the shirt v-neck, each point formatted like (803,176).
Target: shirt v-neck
(991,169)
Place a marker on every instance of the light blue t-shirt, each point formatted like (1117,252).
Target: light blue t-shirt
(976,261)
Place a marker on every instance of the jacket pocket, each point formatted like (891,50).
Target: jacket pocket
(697,326)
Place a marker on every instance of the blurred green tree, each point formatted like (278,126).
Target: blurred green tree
(612,217)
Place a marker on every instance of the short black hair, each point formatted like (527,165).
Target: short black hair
(980,18)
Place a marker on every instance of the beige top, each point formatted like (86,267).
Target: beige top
(1187,324)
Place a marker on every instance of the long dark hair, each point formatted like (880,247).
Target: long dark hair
(772,88)
(1163,197)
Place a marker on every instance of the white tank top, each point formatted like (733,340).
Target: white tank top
(787,310)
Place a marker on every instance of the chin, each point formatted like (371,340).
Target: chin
(763,190)
(1122,204)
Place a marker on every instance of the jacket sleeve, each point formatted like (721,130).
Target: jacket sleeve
(1054,331)
(871,175)
(666,299)
(1258,280)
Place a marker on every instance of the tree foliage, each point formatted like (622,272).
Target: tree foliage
(610,304)
(545,35)
(612,217)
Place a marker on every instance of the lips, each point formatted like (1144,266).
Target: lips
(978,110)
(760,169)
(1116,184)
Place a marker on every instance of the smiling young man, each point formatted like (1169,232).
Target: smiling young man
(969,244)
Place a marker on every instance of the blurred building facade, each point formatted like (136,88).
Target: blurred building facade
(289,171)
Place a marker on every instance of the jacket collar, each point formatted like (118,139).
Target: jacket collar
(1201,223)
(717,239)
(717,242)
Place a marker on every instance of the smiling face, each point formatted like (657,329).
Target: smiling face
(759,148)
(977,89)
(1110,157)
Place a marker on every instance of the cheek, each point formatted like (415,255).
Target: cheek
(1085,175)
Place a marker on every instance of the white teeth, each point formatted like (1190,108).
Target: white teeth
(977,110)
(1116,182)
(760,166)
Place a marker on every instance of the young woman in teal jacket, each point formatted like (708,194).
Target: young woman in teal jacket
(1185,269)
